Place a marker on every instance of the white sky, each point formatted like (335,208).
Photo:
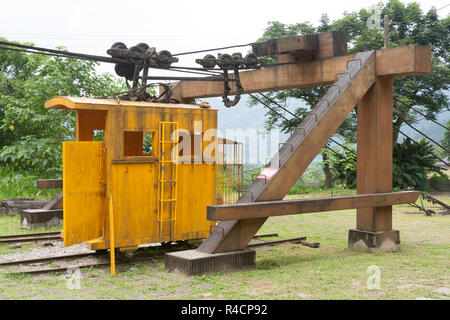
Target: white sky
(177,26)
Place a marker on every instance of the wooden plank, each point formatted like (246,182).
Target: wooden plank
(374,161)
(403,61)
(15,206)
(299,43)
(394,62)
(315,46)
(307,42)
(297,153)
(266,209)
(331,44)
(49,184)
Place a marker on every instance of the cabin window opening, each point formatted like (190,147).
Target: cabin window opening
(136,144)
(99,135)
(147,144)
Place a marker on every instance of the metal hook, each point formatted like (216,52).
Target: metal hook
(227,102)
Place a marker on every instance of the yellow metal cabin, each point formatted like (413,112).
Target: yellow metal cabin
(158,194)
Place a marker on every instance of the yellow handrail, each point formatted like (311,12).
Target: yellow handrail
(111,238)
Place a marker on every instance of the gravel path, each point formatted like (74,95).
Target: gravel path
(57,249)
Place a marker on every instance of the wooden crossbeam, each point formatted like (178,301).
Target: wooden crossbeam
(393,62)
(265,209)
(49,184)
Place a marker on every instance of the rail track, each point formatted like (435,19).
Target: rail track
(46,259)
(155,253)
(30,237)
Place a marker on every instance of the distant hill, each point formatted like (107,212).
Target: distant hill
(244,117)
(428,127)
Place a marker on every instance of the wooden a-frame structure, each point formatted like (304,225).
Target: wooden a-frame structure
(364,79)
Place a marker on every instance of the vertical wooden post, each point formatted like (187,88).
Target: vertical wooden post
(374,164)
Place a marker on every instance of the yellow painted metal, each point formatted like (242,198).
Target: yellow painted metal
(112,246)
(96,171)
(135,203)
(83,197)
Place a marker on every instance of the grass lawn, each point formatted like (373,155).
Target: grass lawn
(288,271)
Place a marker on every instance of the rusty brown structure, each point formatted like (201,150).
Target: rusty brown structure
(364,79)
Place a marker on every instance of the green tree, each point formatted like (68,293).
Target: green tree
(446,141)
(408,25)
(30,135)
(414,164)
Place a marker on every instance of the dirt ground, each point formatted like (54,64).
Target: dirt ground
(288,271)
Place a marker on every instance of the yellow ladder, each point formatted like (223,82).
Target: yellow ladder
(167,182)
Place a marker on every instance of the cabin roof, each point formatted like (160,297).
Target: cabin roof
(74,103)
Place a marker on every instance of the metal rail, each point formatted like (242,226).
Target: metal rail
(29,239)
(46,259)
(107,263)
(91,265)
(11,236)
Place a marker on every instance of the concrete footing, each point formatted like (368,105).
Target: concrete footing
(384,241)
(195,262)
(35,218)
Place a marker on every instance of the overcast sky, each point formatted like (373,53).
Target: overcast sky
(177,26)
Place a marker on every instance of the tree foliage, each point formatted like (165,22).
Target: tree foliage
(414,163)
(343,168)
(446,141)
(30,135)
(408,25)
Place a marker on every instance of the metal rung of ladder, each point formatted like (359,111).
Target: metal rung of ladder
(166,220)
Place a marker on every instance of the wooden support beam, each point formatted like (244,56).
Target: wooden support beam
(297,153)
(329,44)
(300,43)
(374,160)
(266,209)
(49,184)
(393,62)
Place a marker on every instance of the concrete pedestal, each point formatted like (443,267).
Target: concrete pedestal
(195,262)
(384,241)
(36,218)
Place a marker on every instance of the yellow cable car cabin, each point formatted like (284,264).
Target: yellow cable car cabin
(159,191)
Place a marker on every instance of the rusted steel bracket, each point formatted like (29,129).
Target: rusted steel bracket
(230,103)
